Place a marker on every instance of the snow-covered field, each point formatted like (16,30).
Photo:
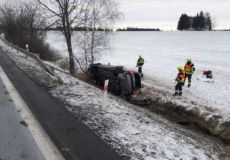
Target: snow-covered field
(163,52)
(132,131)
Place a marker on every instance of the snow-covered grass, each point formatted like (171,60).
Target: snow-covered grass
(30,66)
(163,52)
(133,132)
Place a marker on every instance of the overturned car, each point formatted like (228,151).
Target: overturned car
(121,81)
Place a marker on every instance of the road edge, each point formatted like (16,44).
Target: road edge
(44,143)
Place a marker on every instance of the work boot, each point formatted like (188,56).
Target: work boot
(175,94)
(189,85)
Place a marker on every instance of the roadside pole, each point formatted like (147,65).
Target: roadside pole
(106,87)
(27,48)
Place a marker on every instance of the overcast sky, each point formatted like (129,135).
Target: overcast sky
(164,14)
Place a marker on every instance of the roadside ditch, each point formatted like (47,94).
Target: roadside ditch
(186,114)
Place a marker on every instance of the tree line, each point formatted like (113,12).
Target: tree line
(22,24)
(202,21)
(138,29)
(60,28)
(27,23)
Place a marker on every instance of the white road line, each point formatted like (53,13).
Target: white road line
(46,146)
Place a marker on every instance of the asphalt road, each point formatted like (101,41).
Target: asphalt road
(73,139)
(16,141)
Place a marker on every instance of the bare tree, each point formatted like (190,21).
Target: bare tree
(34,21)
(21,21)
(90,46)
(68,13)
(8,19)
(23,24)
(99,21)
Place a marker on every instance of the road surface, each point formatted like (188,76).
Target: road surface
(73,139)
(16,140)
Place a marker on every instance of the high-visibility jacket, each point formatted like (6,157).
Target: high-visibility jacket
(189,68)
(140,62)
(180,77)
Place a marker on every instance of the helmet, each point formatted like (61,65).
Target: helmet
(180,68)
(189,60)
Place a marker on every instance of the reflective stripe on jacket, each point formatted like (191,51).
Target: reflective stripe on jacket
(140,62)
(189,68)
(180,77)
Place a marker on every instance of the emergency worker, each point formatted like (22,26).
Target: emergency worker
(140,63)
(180,81)
(189,69)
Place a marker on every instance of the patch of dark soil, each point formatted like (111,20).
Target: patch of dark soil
(23,123)
(190,117)
(10,100)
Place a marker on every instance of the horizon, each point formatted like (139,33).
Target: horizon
(165,14)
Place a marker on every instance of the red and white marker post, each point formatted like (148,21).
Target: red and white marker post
(27,48)
(106,87)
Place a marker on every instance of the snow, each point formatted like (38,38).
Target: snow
(163,52)
(132,131)
(30,66)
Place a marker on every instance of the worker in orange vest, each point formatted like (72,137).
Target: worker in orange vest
(180,81)
(189,69)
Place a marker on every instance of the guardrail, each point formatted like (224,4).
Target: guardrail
(31,55)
